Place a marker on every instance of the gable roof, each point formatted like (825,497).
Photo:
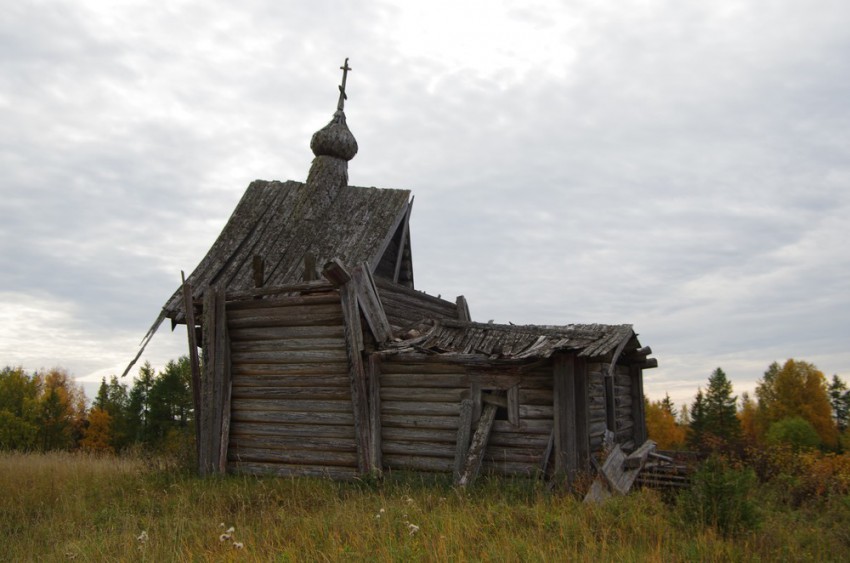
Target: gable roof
(283,222)
(518,342)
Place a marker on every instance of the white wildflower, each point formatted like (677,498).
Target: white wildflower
(224,537)
(412,528)
(238,545)
(143,537)
(409,500)
(221,525)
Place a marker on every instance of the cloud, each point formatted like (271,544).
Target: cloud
(678,166)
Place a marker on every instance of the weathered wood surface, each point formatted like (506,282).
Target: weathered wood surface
(564,404)
(194,361)
(464,431)
(357,376)
(375,408)
(618,473)
(290,470)
(370,304)
(477,446)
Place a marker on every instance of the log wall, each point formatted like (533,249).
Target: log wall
(625,430)
(291,396)
(405,307)
(420,414)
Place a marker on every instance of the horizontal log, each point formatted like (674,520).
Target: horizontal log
(392,366)
(431,381)
(289,374)
(335,355)
(286,332)
(280,405)
(530,426)
(496,381)
(285,470)
(318,418)
(288,345)
(623,379)
(430,449)
(418,463)
(267,309)
(308,319)
(450,395)
(292,443)
(284,393)
(519,439)
(443,436)
(302,457)
(287,301)
(239,428)
(420,408)
(407,421)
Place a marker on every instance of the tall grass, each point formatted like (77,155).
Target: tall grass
(61,507)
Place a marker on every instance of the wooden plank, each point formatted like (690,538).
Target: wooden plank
(375,407)
(208,405)
(301,417)
(463,433)
(638,407)
(406,421)
(278,405)
(564,404)
(638,458)
(278,333)
(300,457)
(462,309)
(477,446)
(444,436)
(296,429)
(321,356)
(194,361)
(239,441)
(370,304)
(224,381)
(284,470)
(513,405)
(582,416)
(291,375)
(357,376)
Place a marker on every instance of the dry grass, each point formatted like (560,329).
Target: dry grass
(60,507)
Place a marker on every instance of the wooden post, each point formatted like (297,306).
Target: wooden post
(310,273)
(194,362)
(205,421)
(356,375)
(462,309)
(464,429)
(564,404)
(638,410)
(582,416)
(223,381)
(478,446)
(375,414)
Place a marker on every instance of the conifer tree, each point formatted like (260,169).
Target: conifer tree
(721,419)
(696,429)
(839,399)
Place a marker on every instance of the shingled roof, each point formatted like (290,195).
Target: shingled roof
(284,221)
(517,342)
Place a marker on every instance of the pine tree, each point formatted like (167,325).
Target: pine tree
(696,433)
(668,405)
(721,419)
(839,399)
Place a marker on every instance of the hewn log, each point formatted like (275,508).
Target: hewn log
(286,302)
(321,356)
(296,429)
(291,375)
(406,421)
(300,457)
(336,273)
(445,436)
(422,395)
(272,404)
(357,376)
(376,446)
(279,333)
(431,449)
(282,470)
(370,304)
(224,374)
(478,444)
(289,345)
(301,417)
(194,361)
(463,433)
(238,441)
(564,404)
(418,463)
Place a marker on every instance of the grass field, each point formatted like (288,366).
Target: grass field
(67,507)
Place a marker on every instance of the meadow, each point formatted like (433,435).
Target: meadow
(76,507)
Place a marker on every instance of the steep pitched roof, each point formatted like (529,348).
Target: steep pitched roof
(283,222)
(518,342)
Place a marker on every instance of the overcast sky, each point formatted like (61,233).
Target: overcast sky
(680,166)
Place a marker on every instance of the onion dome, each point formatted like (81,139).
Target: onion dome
(334,139)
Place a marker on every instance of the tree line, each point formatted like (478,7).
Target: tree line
(794,405)
(44,411)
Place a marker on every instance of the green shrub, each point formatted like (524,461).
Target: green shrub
(721,497)
(795,431)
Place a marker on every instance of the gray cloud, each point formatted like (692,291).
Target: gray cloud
(681,167)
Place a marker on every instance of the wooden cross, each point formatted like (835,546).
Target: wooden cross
(342,95)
